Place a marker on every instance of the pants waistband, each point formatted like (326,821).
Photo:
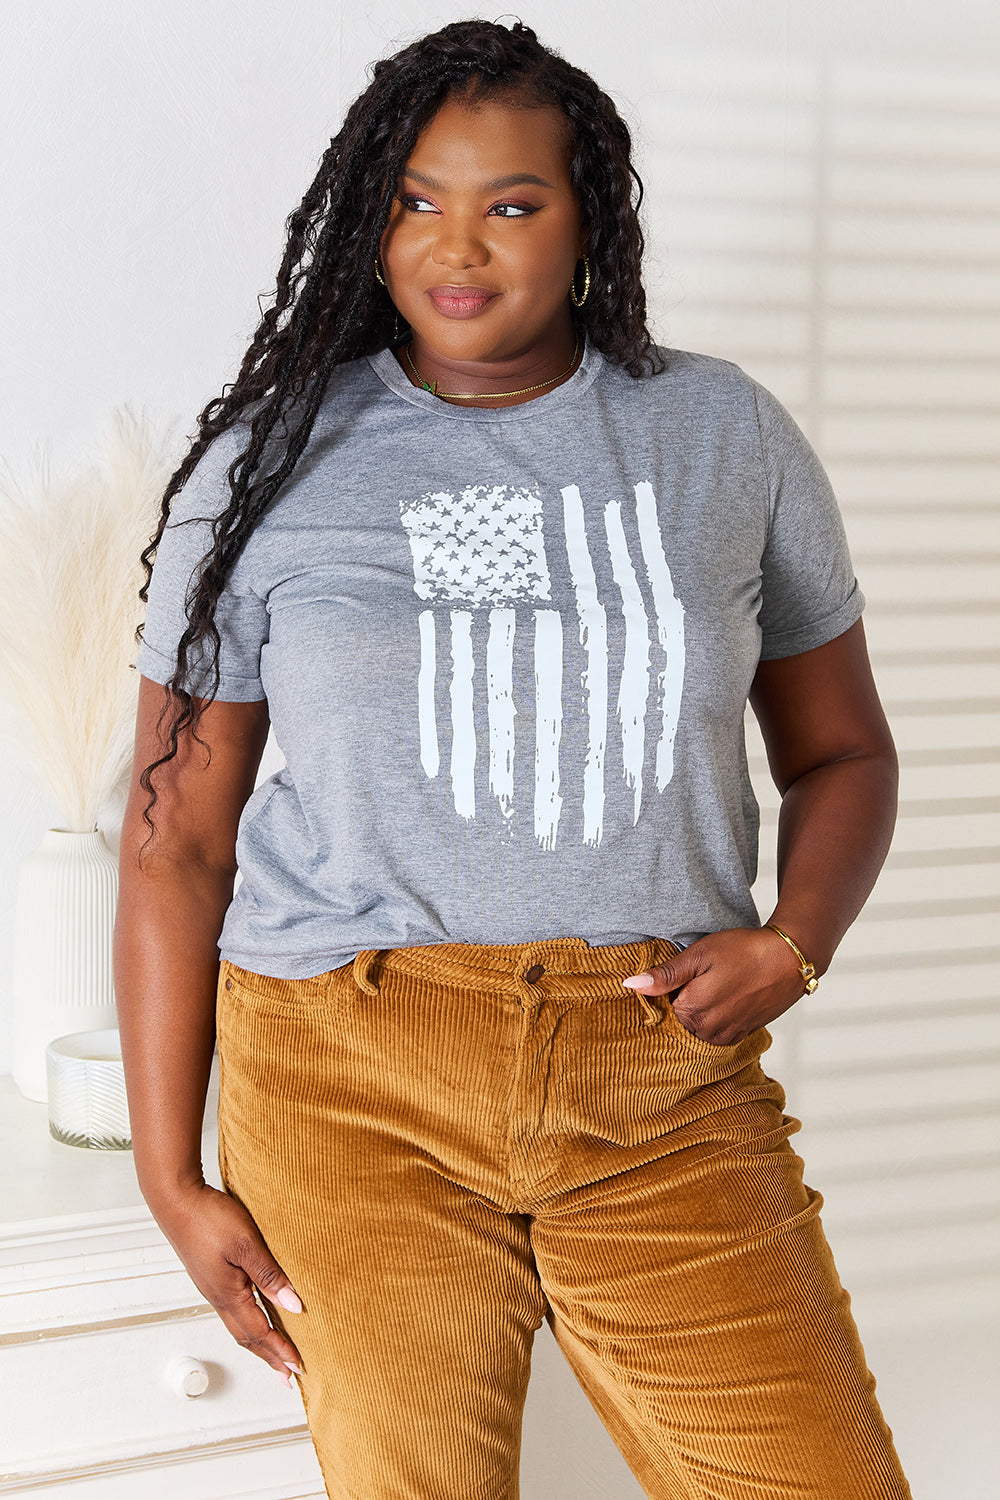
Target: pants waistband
(583,971)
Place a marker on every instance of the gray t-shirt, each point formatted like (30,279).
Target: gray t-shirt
(506,655)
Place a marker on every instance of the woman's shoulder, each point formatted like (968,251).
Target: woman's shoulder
(685,375)
(350,385)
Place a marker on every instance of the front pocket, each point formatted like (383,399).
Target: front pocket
(718,1047)
(265,992)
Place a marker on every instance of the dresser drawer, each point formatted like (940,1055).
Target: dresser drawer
(101,1396)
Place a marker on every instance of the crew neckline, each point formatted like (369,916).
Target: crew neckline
(390,372)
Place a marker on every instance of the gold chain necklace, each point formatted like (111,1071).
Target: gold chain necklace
(486,395)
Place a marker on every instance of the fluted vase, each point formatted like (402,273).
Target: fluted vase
(62,970)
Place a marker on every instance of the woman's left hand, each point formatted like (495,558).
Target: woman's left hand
(726,985)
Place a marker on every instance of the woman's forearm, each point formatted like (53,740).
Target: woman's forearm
(166,964)
(834,831)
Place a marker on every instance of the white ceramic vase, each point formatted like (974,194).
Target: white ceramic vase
(63,927)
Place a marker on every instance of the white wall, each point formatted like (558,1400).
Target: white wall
(823,208)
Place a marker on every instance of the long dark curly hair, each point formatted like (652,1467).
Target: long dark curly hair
(329,308)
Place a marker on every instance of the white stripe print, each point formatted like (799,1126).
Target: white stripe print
(500,705)
(669,627)
(485,548)
(463,728)
(594,679)
(548,722)
(633,690)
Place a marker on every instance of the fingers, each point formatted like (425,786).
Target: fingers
(272,1281)
(250,1327)
(664,978)
(725,985)
(248,1324)
(252,1266)
(226,1257)
(686,978)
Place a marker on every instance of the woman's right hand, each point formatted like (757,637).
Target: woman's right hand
(226,1257)
(176,873)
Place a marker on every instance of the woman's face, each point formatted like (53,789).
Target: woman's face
(483,240)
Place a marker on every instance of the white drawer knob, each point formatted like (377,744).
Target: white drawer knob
(187,1376)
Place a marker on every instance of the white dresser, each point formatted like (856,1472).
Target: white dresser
(103,1335)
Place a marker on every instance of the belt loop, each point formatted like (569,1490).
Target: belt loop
(649,960)
(652,1014)
(362,966)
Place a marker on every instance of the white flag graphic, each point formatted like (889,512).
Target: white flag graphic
(485,548)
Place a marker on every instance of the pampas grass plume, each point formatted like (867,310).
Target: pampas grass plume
(69,581)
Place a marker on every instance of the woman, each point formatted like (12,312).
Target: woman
(493,991)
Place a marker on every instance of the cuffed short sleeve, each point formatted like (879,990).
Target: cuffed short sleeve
(241,616)
(809,594)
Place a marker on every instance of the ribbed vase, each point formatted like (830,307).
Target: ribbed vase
(62,972)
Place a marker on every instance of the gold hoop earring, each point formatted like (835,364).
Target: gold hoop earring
(579,301)
(378,273)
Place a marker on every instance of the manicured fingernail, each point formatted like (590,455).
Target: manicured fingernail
(286,1378)
(296,1368)
(288,1300)
(639,982)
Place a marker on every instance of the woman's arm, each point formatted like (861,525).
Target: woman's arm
(170,912)
(832,758)
(171,905)
(833,761)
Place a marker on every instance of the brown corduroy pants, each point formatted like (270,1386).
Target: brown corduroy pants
(444,1145)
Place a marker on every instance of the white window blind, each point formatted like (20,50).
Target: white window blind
(835,229)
